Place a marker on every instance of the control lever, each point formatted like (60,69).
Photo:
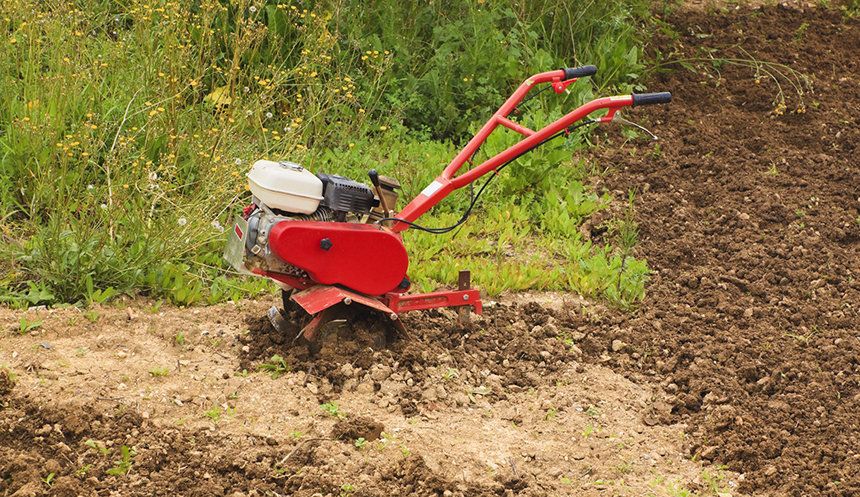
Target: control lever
(374,178)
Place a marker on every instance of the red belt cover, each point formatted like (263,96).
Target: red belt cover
(364,257)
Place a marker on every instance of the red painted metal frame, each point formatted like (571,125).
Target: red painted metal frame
(318,297)
(293,281)
(402,303)
(447,182)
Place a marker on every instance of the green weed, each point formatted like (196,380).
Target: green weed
(156,372)
(25,326)
(332,409)
(49,480)
(276,366)
(123,466)
(97,446)
(214,414)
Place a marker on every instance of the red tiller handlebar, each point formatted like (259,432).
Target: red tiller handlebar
(560,79)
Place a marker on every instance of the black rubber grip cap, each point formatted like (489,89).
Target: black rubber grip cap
(578,72)
(651,98)
(374,177)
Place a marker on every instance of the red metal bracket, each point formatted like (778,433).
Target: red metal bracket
(403,303)
(321,297)
(293,281)
(559,86)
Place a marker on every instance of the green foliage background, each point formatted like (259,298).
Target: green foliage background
(126,129)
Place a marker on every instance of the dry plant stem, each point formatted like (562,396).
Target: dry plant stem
(284,460)
(798,81)
(107,163)
(308,375)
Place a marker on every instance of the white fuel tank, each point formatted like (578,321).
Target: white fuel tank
(286,186)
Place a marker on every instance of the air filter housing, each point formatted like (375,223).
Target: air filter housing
(342,194)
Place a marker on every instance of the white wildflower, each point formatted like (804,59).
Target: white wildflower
(181,221)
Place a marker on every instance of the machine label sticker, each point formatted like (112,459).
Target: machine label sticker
(619,97)
(238,232)
(431,188)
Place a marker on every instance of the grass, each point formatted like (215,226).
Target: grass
(131,125)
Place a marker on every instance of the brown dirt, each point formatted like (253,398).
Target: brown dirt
(7,384)
(500,407)
(751,222)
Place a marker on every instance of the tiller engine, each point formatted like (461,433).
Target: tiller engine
(332,242)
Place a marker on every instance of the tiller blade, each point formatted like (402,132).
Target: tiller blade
(326,303)
(322,302)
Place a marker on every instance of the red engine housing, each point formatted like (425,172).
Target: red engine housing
(367,258)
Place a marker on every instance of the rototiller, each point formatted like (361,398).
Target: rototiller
(332,242)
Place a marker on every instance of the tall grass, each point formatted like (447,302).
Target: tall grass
(126,128)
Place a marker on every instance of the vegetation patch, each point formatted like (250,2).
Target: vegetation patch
(129,128)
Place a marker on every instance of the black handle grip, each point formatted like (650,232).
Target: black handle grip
(374,178)
(578,72)
(651,98)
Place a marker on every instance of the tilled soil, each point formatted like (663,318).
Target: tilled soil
(751,223)
(501,406)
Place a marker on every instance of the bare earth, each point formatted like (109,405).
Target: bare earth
(502,407)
